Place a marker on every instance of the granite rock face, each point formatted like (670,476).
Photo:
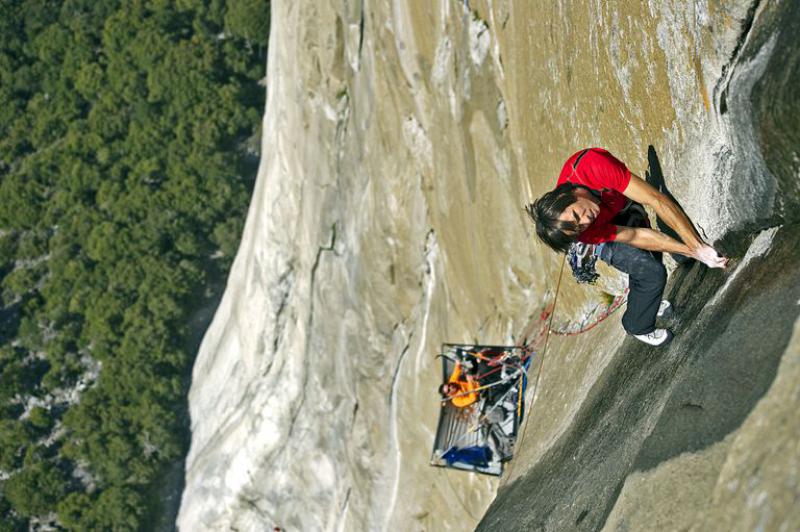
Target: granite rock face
(696,436)
(400,142)
(313,399)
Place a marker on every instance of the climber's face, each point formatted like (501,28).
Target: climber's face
(449,389)
(583,211)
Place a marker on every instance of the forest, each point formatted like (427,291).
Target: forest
(129,145)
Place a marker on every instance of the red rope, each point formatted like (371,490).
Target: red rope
(613,307)
(522,360)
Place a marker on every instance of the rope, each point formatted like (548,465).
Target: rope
(615,305)
(463,505)
(482,375)
(498,368)
(612,308)
(497,403)
(538,373)
(473,390)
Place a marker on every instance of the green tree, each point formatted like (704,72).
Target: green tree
(116,508)
(8,521)
(36,489)
(75,511)
(122,173)
(248,19)
(40,419)
(14,440)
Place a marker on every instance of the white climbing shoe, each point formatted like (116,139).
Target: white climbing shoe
(664,309)
(657,338)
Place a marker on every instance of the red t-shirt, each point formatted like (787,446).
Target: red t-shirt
(603,173)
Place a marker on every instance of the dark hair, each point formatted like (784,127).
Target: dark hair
(441,390)
(545,211)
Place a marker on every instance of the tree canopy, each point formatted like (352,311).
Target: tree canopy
(125,175)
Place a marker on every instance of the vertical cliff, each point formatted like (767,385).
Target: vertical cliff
(371,238)
(400,143)
(700,435)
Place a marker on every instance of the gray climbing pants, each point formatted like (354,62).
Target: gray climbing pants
(647,278)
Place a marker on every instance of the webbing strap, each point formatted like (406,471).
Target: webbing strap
(575,164)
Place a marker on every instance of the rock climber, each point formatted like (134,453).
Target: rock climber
(460,388)
(592,204)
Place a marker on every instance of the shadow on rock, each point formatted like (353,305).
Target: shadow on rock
(655,177)
(735,352)
(650,405)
